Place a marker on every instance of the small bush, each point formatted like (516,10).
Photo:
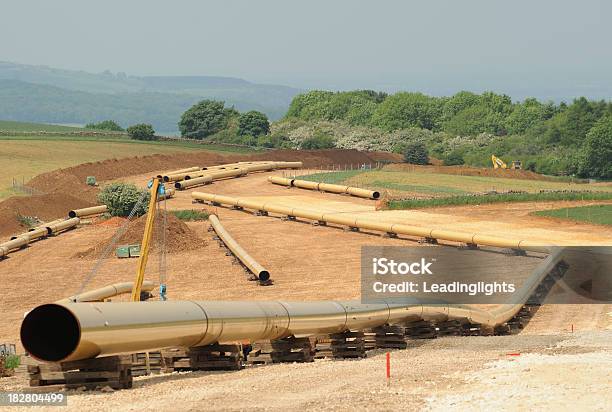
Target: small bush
(190,215)
(454,158)
(141,131)
(416,153)
(12,362)
(121,198)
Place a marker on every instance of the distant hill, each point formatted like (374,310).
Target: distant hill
(67,96)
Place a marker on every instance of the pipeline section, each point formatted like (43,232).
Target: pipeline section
(191,173)
(72,331)
(356,221)
(231,170)
(52,228)
(325,187)
(106,292)
(246,259)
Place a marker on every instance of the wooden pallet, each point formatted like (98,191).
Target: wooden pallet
(346,345)
(420,329)
(390,337)
(146,363)
(281,350)
(112,371)
(210,357)
(449,328)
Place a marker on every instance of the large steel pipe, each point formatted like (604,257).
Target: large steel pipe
(13,244)
(106,292)
(209,177)
(63,225)
(355,220)
(184,184)
(71,331)
(255,268)
(88,211)
(325,187)
(32,234)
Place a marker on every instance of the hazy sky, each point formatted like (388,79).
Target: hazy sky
(438,46)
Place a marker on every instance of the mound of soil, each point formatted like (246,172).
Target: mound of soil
(179,237)
(44,207)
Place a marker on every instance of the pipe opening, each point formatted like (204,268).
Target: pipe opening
(187,177)
(50,333)
(264,275)
(376,195)
(177,185)
(72,214)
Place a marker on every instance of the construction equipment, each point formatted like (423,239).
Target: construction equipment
(157,189)
(500,164)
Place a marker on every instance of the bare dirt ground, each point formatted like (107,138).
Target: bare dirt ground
(312,262)
(541,372)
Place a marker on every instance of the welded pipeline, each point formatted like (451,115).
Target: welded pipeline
(32,234)
(106,292)
(355,220)
(72,331)
(209,177)
(88,211)
(255,268)
(325,187)
(13,244)
(63,225)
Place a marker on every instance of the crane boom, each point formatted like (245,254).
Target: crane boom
(146,241)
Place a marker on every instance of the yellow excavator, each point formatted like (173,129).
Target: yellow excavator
(157,189)
(500,164)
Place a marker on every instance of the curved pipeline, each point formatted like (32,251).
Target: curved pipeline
(325,187)
(255,268)
(355,220)
(71,331)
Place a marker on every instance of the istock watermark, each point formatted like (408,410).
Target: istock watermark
(468,276)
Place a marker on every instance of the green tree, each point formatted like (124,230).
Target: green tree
(204,119)
(105,125)
(416,153)
(404,110)
(141,131)
(525,116)
(121,198)
(253,123)
(597,151)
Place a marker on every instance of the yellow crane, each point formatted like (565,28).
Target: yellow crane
(500,164)
(156,187)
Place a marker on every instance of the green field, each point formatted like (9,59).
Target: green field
(595,214)
(23,157)
(409,184)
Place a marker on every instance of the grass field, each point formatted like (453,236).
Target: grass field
(25,157)
(404,184)
(596,214)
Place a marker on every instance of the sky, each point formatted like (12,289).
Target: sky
(523,47)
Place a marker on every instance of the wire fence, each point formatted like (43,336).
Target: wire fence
(19,186)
